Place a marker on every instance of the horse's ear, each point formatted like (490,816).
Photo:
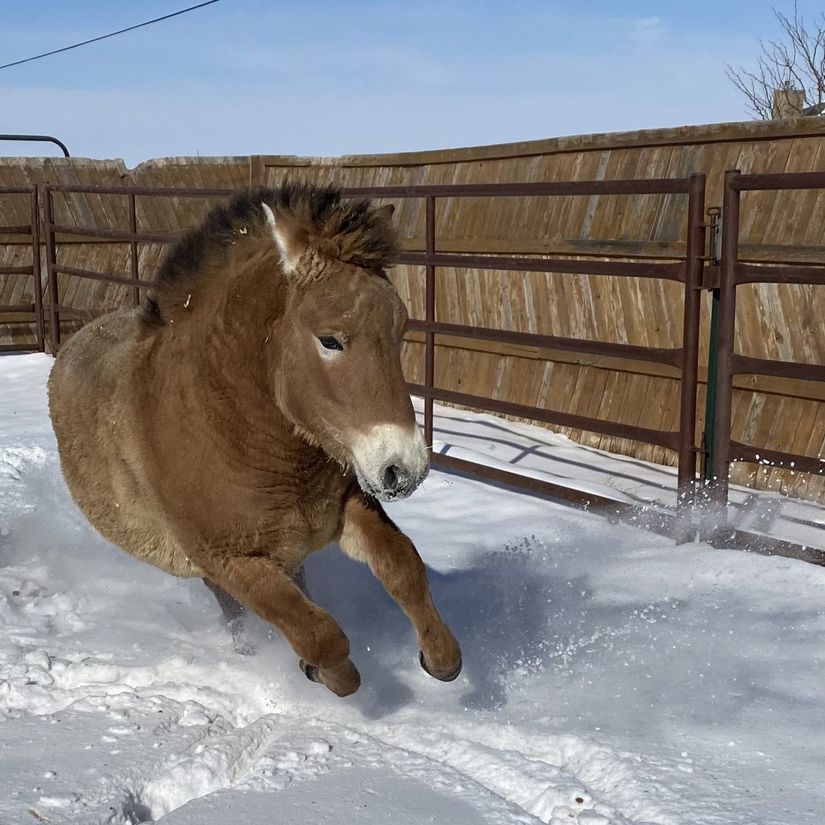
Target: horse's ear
(289,239)
(384,213)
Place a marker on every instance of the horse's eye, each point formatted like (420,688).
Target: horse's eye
(330,342)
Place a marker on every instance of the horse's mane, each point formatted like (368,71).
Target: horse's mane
(349,230)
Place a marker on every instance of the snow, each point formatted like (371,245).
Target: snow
(610,677)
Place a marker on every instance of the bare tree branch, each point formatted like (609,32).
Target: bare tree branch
(793,62)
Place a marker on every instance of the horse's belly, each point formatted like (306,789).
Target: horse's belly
(118,508)
(150,543)
(92,411)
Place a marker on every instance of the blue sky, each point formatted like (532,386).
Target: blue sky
(325,78)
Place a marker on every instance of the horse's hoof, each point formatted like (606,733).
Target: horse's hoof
(444,677)
(310,671)
(342,681)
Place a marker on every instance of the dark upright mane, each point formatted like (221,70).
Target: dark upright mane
(349,230)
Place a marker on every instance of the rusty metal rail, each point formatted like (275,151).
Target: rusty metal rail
(690,270)
(38,139)
(35,307)
(733,273)
(687,271)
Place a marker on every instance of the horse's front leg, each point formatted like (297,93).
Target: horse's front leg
(368,535)
(258,583)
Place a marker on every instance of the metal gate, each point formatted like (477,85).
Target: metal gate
(695,271)
(17,312)
(733,272)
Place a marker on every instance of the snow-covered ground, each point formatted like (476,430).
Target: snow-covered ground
(610,676)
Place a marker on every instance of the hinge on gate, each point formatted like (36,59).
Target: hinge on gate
(710,271)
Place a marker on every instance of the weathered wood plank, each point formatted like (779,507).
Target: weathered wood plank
(772,321)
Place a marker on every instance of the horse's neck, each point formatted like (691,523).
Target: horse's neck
(222,359)
(214,380)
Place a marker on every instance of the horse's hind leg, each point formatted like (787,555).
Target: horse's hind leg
(232,609)
(370,536)
(233,612)
(314,635)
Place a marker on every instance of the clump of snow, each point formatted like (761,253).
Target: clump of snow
(611,677)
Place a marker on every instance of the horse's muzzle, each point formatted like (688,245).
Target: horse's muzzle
(391,462)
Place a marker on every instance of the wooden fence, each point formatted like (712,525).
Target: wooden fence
(773,321)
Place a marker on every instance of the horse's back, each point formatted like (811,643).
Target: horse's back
(95,407)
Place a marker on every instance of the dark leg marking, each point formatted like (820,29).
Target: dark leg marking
(232,609)
(233,613)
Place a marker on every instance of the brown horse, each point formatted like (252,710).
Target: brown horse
(254,410)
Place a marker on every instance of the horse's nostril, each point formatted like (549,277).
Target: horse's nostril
(392,475)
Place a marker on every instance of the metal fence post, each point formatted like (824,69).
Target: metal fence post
(725,339)
(133,247)
(429,317)
(51,272)
(714,218)
(40,324)
(690,341)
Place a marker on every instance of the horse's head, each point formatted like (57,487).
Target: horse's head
(338,375)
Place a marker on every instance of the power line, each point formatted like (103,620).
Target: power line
(111,34)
